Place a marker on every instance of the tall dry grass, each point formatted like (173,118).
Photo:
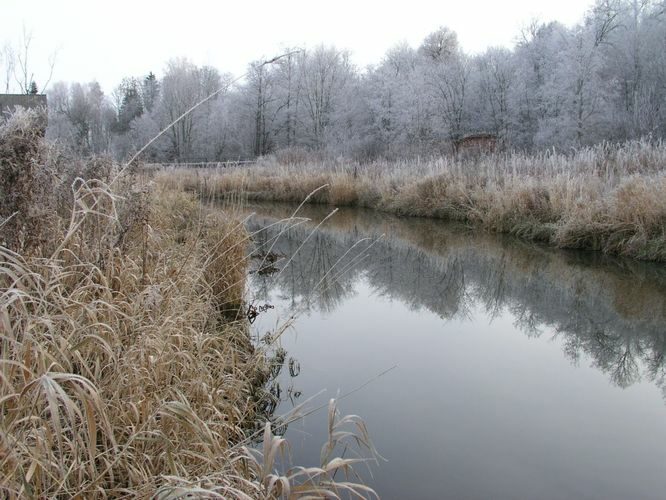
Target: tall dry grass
(126,368)
(610,198)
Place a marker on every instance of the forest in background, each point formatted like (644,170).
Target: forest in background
(559,87)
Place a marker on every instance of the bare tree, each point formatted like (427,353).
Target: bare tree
(81,117)
(184,85)
(439,45)
(24,75)
(602,79)
(8,60)
(288,88)
(448,83)
(324,72)
(496,77)
(260,86)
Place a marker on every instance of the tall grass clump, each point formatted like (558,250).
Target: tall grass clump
(126,367)
(26,201)
(610,198)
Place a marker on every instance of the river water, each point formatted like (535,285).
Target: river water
(515,371)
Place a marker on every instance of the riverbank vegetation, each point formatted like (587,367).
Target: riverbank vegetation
(608,198)
(126,364)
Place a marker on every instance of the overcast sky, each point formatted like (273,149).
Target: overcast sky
(106,41)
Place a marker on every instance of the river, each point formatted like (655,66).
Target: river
(483,366)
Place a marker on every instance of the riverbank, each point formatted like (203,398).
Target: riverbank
(608,198)
(124,358)
(127,367)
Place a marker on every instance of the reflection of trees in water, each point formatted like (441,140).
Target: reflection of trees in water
(307,282)
(612,311)
(419,280)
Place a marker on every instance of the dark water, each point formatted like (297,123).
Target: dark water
(522,372)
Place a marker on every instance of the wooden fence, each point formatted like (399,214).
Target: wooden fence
(201,164)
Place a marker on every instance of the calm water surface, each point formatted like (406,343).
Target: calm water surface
(521,372)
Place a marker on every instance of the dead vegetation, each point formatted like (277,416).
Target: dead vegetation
(610,198)
(126,367)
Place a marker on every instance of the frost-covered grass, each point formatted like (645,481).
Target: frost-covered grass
(126,367)
(608,198)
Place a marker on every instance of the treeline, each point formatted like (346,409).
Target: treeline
(560,87)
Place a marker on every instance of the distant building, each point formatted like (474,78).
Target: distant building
(10,102)
(476,144)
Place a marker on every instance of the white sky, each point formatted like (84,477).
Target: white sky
(106,41)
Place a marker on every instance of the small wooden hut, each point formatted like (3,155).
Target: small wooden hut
(476,144)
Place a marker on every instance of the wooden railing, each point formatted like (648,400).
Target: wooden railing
(201,164)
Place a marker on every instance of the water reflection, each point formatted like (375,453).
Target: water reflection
(611,310)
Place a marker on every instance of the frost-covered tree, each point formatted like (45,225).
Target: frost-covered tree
(183,86)
(260,91)
(81,117)
(131,105)
(559,86)
(446,72)
(396,103)
(440,45)
(495,77)
(286,91)
(325,75)
(7,63)
(535,99)
(150,91)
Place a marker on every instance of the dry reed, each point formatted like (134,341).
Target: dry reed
(610,198)
(126,367)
